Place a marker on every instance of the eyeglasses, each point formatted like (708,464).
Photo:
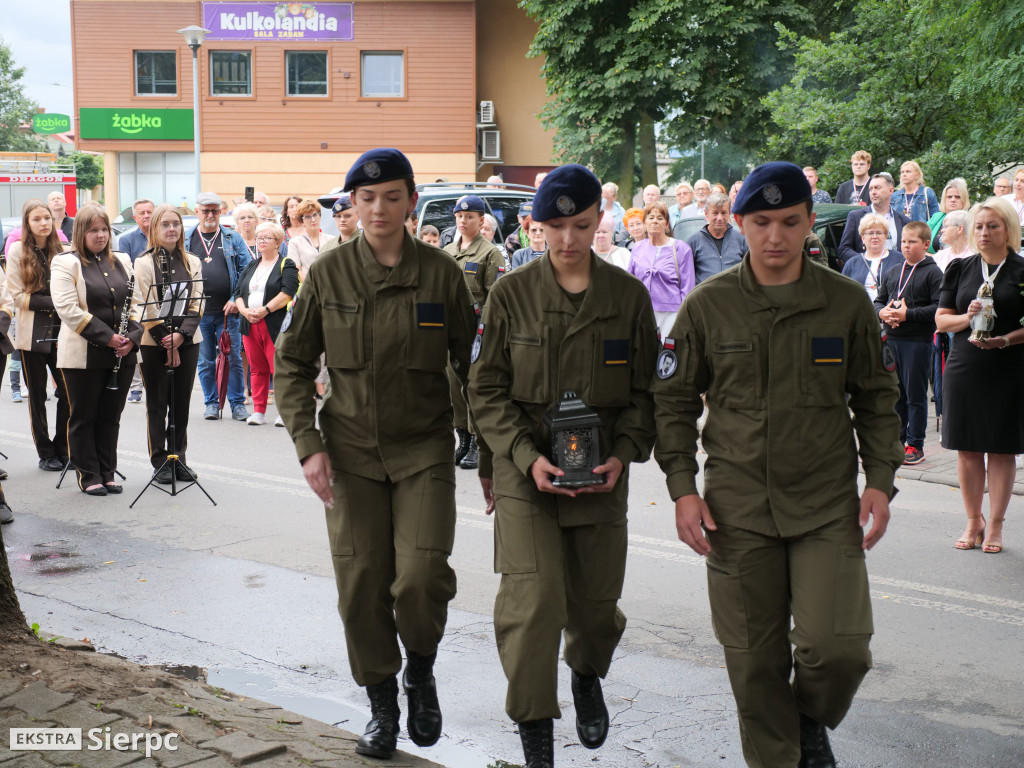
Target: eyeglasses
(266,239)
(208,211)
(267,218)
(311,216)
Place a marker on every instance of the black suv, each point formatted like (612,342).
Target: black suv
(437,201)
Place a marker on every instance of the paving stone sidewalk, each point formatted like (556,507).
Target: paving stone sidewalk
(939,465)
(215,729)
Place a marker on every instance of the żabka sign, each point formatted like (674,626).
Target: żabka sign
(278,21)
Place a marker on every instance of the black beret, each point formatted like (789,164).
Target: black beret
(469,204)
(566,191)
(771,186)
(377,166)
(343,203)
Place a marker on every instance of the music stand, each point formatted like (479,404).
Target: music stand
(171,300)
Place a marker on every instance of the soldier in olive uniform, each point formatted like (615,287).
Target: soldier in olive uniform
(566,321)
(482,264)
(778,345)
(389,312)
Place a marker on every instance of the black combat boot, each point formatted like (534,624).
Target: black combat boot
(424,721)
(538,743)
(591,712)
(381,735)
(463,446)
(472,458)
(815,751)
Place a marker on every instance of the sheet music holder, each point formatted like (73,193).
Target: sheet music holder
(171,299)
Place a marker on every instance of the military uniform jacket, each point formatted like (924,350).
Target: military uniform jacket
(481,264)
(779,436)
(387,335)
(37,320)
(533,347)
(90,300)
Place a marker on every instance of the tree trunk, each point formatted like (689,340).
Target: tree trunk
(648,152)
(12,620)
(624,163)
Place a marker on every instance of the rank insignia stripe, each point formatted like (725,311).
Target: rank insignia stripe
(430,315)
(616,352)
(827,350)
(471,267)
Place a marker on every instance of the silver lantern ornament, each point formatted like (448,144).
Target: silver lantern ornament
(575,445)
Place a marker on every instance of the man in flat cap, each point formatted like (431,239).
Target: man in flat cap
(777,346)
(482,264)
(565,321)
(389,312)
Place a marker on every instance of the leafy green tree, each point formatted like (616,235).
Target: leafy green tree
(612,66)
(15,107)
(88,169)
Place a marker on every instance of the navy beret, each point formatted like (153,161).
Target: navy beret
(377,166)
(526,209)
(469,204)
(343,203)
(566,191)
(771,186)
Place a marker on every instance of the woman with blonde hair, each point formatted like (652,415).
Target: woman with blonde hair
(247,218)
(93,294)
(28,276)
(912,198)
(169,345)
(983,413)
(955,197)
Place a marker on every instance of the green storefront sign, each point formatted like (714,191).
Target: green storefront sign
(51,122)
(95,123)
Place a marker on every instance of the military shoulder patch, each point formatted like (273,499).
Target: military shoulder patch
(478,342)
(287,319)
(668,363)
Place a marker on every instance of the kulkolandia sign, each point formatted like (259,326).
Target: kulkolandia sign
(103,123)
(279,21)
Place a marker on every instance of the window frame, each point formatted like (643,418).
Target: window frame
(252,79)
(404,53)
(327,73)
(135,74)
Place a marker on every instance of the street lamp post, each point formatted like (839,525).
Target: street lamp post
(194,37)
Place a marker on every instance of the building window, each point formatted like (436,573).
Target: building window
(231,73)
(156,73)
(307,73)
(383,74)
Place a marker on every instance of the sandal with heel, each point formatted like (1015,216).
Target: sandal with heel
(970,539)
(994,544)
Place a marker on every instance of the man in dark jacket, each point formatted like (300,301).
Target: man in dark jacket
(716,246)
(906,303)
(880,189)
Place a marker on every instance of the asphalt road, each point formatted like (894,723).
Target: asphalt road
(245,589)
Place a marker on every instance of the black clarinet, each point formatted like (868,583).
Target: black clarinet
(122,329)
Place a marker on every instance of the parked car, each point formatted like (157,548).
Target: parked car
(829,224)
(437,200)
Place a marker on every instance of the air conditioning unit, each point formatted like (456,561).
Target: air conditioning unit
(490,145)
(487,112)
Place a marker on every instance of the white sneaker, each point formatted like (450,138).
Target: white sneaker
(279,422)
(257,419)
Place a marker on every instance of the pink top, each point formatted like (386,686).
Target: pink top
(666,271)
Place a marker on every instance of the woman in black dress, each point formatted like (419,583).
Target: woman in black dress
(90,288)
(983,413)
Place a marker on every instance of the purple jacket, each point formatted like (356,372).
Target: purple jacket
(667,276)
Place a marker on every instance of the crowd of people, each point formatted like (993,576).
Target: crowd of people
(648,329)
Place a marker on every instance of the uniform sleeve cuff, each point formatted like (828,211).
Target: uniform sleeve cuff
(681,484)
(524,454)
(881,479)
(309,443)
(625,451)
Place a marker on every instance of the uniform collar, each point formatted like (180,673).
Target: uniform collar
(406,273)
(599,301)
(811,293)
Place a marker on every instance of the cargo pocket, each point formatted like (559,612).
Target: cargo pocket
(853,597)
(605,549)
(728,617)
(530,375)
(514,548)
(339,523)
(436,529)
(736,372)
(822,365)
(343,333)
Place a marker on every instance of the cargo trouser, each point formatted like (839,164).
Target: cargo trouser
(554,579)
(460,408)
(755,584)
(390,543)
